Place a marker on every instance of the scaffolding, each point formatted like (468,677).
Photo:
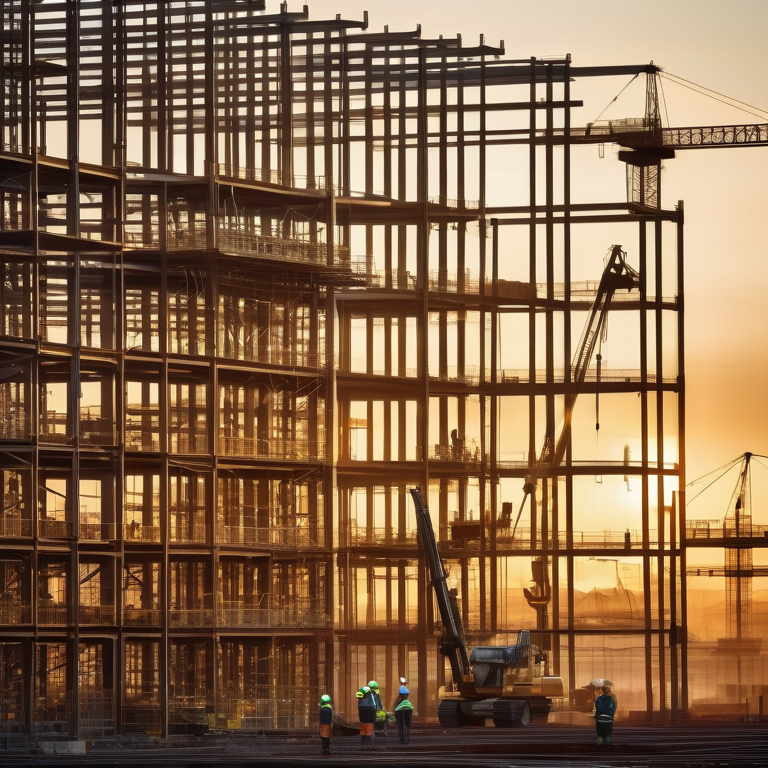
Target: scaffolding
(259,275)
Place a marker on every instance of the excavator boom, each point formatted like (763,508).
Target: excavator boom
(453,645)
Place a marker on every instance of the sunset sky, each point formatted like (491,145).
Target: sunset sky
(725,191)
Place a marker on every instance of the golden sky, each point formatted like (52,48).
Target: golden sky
(722,47)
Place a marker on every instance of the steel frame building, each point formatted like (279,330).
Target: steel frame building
(261,274)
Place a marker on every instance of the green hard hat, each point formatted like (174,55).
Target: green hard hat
(325,698)
(373,684)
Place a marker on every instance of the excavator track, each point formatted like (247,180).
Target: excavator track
(510,713)
(450,715)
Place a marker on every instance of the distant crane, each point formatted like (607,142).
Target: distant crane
(737,537)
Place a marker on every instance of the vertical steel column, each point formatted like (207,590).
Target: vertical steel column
(73,228)
(645,436)
(494,413)
(663,550)
(286,106)
(423,353)
(532,457)
(683,639)
(557,523)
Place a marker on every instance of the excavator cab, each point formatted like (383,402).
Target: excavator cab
(492,665)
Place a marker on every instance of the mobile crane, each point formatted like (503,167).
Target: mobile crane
(504,683)
(617,275)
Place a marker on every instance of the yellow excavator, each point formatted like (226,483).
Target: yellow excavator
(505,683)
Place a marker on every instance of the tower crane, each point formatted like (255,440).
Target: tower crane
(738,538)
(646,142)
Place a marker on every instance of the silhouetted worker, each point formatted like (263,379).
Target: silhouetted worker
(457,444)
(605,711)
(325,720)
(403,715)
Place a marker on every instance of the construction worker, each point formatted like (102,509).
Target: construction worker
(403,715)
(366,710)
(374,686)
(402,693)
(325,719)
(605,711)
(381,713)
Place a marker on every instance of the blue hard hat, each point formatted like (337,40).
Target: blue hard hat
(403,690)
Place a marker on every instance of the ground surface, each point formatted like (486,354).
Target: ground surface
(729,745)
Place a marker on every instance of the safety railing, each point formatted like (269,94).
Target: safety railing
(445,281)
(12,525)
(141,617)
(608,539)
(54,428)
(54,529)
(363,534)
(717,529)
(272,618)
(273,537)
(97,531)
(293,180)
(15,428)
(469,375)
(467,453)
(451,202)
(183,533)
(273,448)
(97,615)
(191,617)
(269,710)
(181,443)
(12,613)
(51,614)
(141,533)
(409,622)
(141,440)
(97,432)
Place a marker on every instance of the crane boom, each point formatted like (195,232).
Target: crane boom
(616,276)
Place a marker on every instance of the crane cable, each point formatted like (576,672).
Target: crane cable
(664,101)
(722,470)
(616,97)
(756,111)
